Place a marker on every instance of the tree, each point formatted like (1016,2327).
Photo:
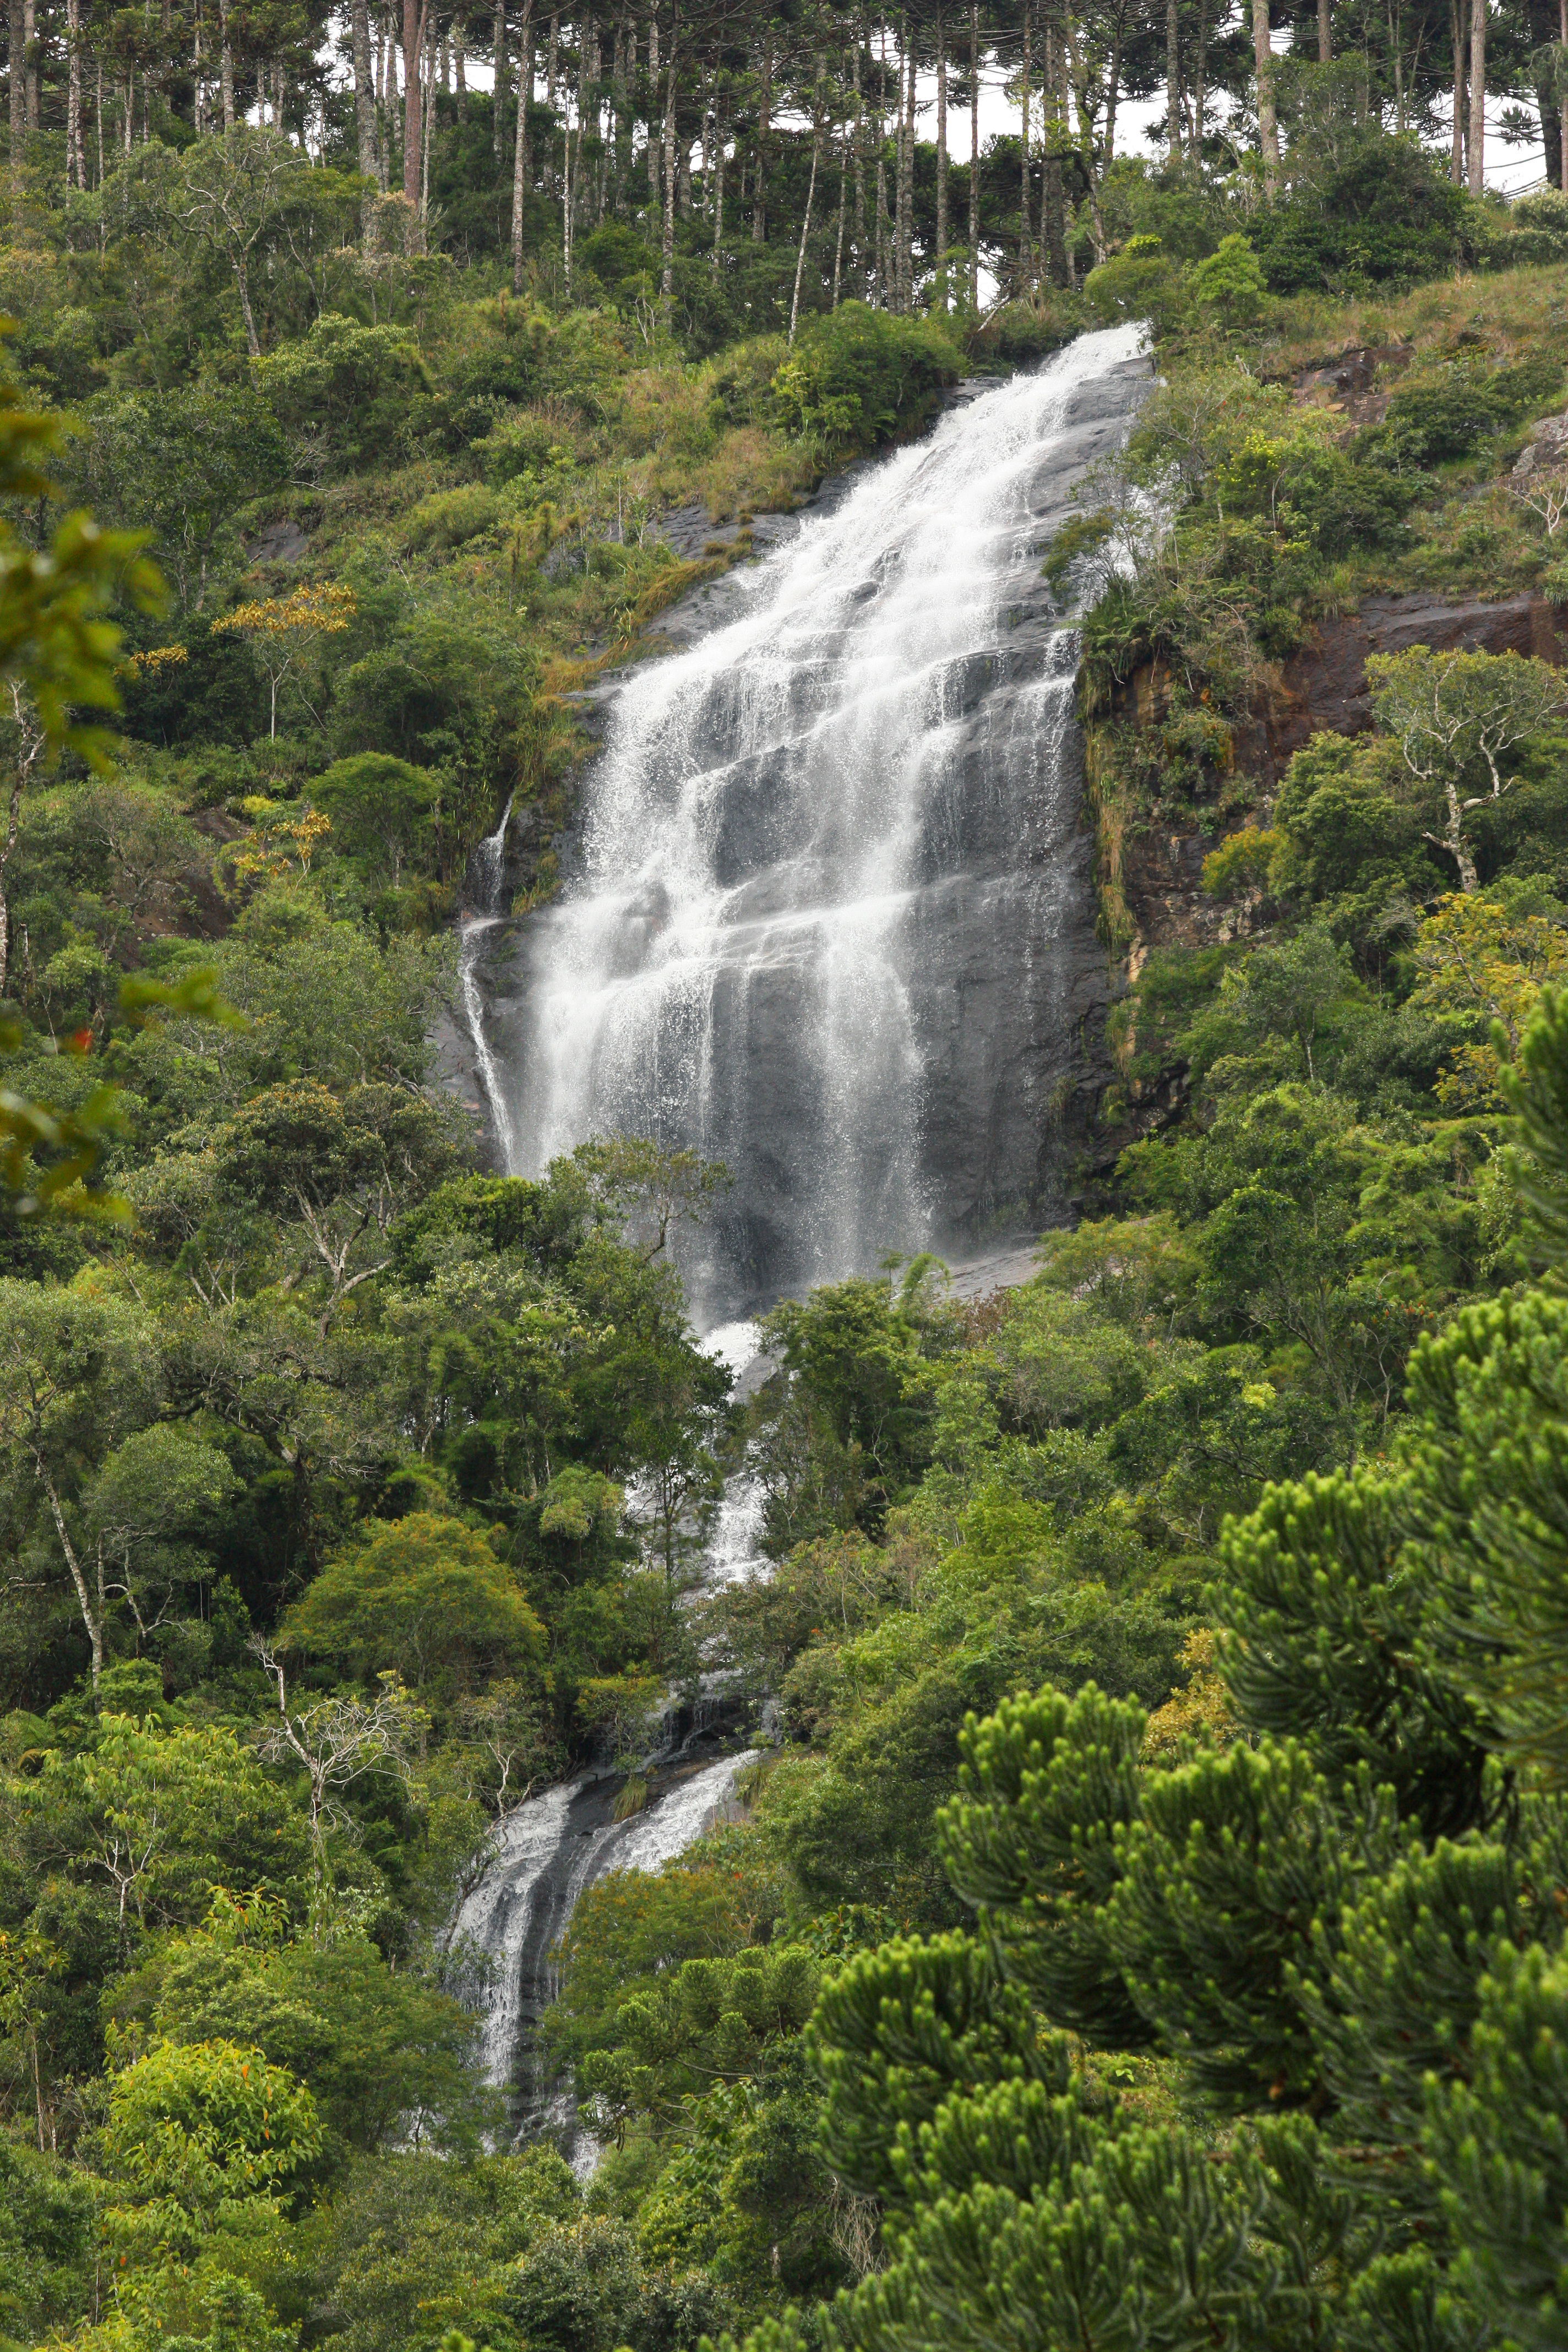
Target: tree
(285,628)
(206,2125)
(379,807)
(180,464)
(159,1816)
(77,1370)
(423,1595)
(336,1742)
(1450,712)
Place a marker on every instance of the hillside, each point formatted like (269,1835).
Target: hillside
(1140,1921)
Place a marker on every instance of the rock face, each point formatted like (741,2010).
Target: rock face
(1325,687)
(833,918)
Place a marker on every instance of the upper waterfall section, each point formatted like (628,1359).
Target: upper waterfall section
(832,919)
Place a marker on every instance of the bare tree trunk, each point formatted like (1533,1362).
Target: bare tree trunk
(226,65)
(843,208)
(907,180)
(498,101)
(415,19)
(941,227)
(806,224)
(1477,95)
(1200,92)
(1268,121)
(73,98)
(974,155)
(861,276)
(1173,85)
(718,191)
(16,79)
(1325,46)
(618,111)
(1025,241)
(1457,26)
(364,88)
(1563,90)
(91,1617)
(519,141)
(667,281)
(98,116)
(30,53)
(759,194)
(460,69)
(652,107)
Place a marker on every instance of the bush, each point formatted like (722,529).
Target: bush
(859,376)
(346,389)
(1141,281)
(449,518)
(1386,217)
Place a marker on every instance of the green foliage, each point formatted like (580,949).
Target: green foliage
(1386,214)
(860,376)
(424,1594)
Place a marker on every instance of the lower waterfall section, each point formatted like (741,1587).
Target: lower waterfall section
(832,923)
(546,1851)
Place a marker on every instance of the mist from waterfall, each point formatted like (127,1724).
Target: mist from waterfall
(833,893)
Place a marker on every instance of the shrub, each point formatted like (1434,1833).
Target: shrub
(859,376)
(1387,217)
(449,518)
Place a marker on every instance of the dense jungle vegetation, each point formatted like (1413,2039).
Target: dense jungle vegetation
(1146,1929)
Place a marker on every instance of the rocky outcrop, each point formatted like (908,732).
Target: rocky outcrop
(1348,386)
(1324,685)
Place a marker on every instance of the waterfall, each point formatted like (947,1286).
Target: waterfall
(832,921)
(486,867)
(544,1853)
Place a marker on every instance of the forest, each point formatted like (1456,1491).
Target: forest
(1140,1925)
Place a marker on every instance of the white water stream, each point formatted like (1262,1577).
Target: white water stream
(826,922)
(832,925)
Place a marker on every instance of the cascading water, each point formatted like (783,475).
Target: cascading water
(833,926)
(486,867)
(832,923)
(545,1853)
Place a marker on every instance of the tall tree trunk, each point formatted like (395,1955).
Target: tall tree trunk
(1172,84)
(30,52)
(906,182)
(1325,44)
(98,124)
(1026,240)
(652,107)
(414,25)
(364,87)
(974,155)
(459,69)
(942,230)
(519,141)
(73,103)
(1456,28)
(618,111)
(760,191)
(1562,91)
(497,102)
(17,82)
(666,278)
(1477,95)
(862,278)
(1053,120)
(1200,90)
(843,208)
(1268,121)
(806,224)
(718,191)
